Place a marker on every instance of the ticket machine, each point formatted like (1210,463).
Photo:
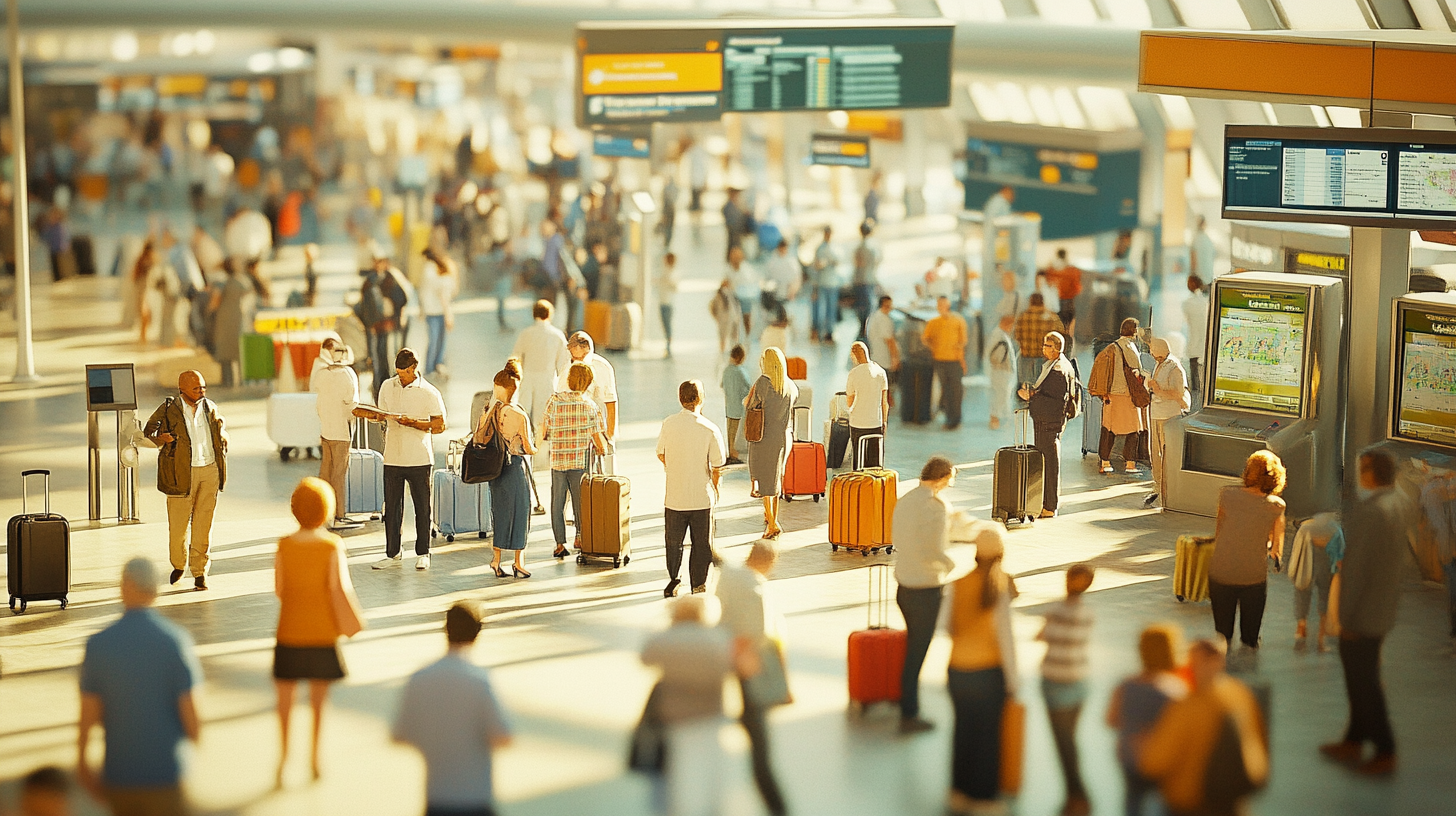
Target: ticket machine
(1273,381)
(1423,374)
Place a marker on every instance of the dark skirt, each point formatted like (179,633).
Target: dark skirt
(307,663)
(510,505)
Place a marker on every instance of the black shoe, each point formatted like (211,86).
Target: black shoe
(176,576)
(561,552)
(699,590)
(915,725)
(519,573)
(954,427)
(200,583)
(499,573)
(671,590)
(1151,500)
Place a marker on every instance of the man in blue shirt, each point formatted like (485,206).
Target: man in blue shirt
(449,712)
(137,681)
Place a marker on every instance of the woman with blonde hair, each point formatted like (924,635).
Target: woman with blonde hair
(1138,702)
(510,493)
(773,394)
(317,606)
(1250,529)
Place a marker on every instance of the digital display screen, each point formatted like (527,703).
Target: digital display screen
(1259,360)
(840,149)
(624,145)
(684,72)
(111,387)
(1364,177)
(1425,409)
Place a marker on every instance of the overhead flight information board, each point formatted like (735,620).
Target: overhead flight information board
(1425,399)
(1365,177)
(687,71)
(1260,345)
(841,149)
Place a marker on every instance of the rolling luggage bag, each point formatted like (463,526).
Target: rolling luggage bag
(1091,423)
(1191,555)
(597,321)
(606,516)
(836,442)
(806,469)
(862,508)
(916,381)
(798,368)
(293,423)
(1016,481)
(624,331)
(38,551)
(459,508)
(876,654)
(364,483)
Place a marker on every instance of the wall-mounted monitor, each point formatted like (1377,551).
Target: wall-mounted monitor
(1261,348)
(1374,177)
(111,387)
(1423,396)
(694,71)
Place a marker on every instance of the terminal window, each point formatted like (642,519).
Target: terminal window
(1259,364)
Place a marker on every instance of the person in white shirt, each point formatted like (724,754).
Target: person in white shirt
(439,284)
(667,283)
(784,270)
(884,349)
(603,390)
(746,286)
(1204,252)
(248,236)
(1168,386)
(1001,365)
(1195,313)
(191,471)
(337,387)
(691,450)
(941,279)
(757,628)
(415,413)
(541,348)
(867,391)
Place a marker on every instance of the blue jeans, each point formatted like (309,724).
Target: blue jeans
(864,294)
(979,698)
(665,309)
(564,482)
(826,303)
(435,353)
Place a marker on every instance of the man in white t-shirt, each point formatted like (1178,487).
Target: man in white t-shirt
(884,350)
(337,387)
(868,393)
(541,348)
(603,390)
(1195,312)
(691,449)
(414,412)
(784,270)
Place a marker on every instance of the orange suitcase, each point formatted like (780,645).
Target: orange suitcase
(876,654)
(861,509)
(598,322)
(798,368)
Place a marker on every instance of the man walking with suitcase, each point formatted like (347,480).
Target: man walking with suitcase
(946,336)
(191,471)
(413,411)
(1048,398)
(867,391)
(691,450)
(136,683)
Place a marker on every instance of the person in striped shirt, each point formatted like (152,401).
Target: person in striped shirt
(1064,679)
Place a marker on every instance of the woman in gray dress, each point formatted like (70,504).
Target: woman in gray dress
(775,393)
(229,310)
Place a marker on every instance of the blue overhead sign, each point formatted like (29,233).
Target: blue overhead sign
(1076,192)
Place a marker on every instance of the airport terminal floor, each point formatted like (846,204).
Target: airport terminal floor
(562,646)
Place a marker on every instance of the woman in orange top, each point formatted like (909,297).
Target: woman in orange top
(311,578)
(982,673)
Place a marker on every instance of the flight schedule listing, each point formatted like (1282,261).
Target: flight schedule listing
(1335,177)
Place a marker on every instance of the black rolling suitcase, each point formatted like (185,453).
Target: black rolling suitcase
(85,253)
(915,388)
(1016,481)
(38,546)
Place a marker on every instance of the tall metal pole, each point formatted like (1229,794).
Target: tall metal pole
(24,347)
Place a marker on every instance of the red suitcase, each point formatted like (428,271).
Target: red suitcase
(876,654)
(805,472)
(797,368)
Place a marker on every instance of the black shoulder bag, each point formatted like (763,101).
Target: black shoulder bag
(484,461)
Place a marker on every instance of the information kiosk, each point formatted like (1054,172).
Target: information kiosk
(1273,381)
(1423,372)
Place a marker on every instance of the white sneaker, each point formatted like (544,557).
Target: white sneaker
(386,563)
(422,563)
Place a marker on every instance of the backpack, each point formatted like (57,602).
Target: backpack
(1075,395)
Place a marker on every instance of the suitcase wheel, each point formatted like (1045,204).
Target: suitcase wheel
(864,553)
(627,560)
(63,603)
(834,548)
(1180,598)
(581,559)
(450,538)
(12,603)
(616,562)
(818,496)
(484,534)
(22,606)
(1029,520)
(889,549)
(788,498)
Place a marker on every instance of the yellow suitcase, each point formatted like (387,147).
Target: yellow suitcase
(861,509)
(1190,568)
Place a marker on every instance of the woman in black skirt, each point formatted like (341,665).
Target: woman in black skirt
(318,607)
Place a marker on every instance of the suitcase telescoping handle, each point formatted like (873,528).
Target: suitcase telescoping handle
(864,447)
(795,423)
(1021,426)
(25,494)
(879,604)
(361,431)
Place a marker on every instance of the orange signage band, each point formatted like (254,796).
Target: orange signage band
(650,73)
(1420,77)
(1324,70)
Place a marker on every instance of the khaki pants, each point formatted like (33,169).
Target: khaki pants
(147,801)
(195,508)
(1156,444)
(334,469)
(733,437)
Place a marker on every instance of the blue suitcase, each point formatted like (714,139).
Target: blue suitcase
(364,484)
(459,508)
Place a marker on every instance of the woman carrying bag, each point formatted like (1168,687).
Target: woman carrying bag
(510,492)
(317,607)
(770,404)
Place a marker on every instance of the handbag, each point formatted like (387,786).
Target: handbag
(484,461)
(648,750)
(1013,741)
(769,687)
(1137,390)
(753,423)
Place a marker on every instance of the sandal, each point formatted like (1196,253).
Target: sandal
(499,573)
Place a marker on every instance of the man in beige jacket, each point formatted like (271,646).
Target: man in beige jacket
(191,471)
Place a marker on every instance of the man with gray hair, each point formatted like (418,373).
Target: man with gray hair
(137,682)
(337,387)
(603,390)
(1047,400)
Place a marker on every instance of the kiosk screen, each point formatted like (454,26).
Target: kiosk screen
(1261,341)
(1425,410)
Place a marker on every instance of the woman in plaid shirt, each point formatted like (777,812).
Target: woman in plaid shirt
(573,424)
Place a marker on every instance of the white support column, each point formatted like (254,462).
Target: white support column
(24,346)
(1379,273)
(914,134)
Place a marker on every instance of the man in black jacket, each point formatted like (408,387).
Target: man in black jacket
(191,471)
(1048,398)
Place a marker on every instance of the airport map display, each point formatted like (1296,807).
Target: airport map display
(1368,177)
(1425,409)
(1259,364)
